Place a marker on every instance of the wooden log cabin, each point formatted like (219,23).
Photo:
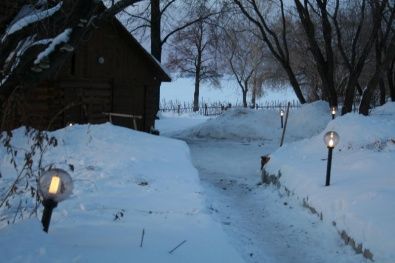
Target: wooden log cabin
(101,70)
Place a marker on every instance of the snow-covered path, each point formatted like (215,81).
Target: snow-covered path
(263,226)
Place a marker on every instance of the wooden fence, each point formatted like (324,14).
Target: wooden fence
(217,108)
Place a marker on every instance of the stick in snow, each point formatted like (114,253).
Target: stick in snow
(179,245)
(142,238)
(285,125)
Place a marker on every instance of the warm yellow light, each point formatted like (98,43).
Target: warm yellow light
(54,185)
(333,110)
(331,139)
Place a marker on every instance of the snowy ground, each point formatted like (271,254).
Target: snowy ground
(360,200)
(263,226)
(125,182)
(226,216)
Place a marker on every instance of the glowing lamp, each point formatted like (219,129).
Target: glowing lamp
(333,112)
(55,185)
(282,118)
(331,139)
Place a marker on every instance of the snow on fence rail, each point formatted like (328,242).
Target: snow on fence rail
(217,108)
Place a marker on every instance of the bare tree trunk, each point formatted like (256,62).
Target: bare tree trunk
(354,62)
(197,81)
(391,80)
(253,96)
(364,107)
(156,48)
(374,81)
(324,59)
(349,95)
(382,91)
(196,93)
(294,83)
(245,90)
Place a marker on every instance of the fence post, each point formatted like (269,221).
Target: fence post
(178,109)
(285,125)
(134,123)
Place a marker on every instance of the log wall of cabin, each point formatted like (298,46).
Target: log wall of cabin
(108,72)
(109,56)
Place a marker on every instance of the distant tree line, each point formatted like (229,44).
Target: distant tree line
(325,49)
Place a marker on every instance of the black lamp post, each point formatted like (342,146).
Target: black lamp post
(333,112)
(331,139)
(282,118)
(55,185)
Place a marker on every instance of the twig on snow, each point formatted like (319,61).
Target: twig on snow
(179,245)
(142,238)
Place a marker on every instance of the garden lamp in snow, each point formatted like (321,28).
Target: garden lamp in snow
(55,185)
(331,139)
(333,112)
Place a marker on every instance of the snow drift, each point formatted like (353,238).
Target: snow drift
(360,198)
(249,124)
(125,182)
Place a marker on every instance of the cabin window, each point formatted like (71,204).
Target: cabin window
(100,60)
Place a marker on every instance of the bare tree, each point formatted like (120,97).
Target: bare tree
(384,60)
(355,48)
(244,54)
(301,60)
(322,53)
(276,42)
(164,19)
(194,51)
(381,45)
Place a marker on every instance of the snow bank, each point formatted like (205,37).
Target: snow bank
(244,123)
(171,123)
(307,121)
(124,182)
(360,199)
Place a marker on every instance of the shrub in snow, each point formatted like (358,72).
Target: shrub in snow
(19,197)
